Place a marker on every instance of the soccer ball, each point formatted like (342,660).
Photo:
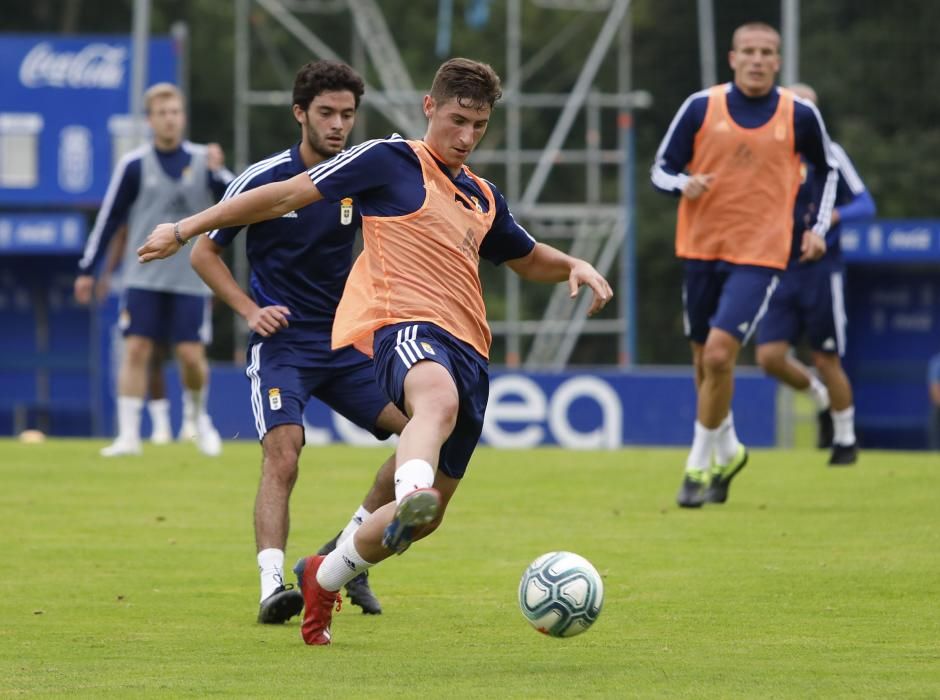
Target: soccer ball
(561,594)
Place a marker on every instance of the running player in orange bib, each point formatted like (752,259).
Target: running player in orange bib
(413,300)
(732,155)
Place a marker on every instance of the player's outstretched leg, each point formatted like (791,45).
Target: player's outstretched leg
(318,602)
(417,508)
(358,590)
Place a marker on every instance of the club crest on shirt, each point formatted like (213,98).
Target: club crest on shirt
(274,399)
(476,203)
(427,348)
(345,211)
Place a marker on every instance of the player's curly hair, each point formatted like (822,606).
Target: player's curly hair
(474,84)
(322,76)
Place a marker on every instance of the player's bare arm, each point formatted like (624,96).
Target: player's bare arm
(547,264)
(207,261)
(697,185)
(260,204)
(812,247)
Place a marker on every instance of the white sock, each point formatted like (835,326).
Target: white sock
(159,410)
(843,423)
(129,408)
(819,392)
(703,445)
(353,525)
(194,403)
(271,568)
(412,475)
(341,566)
(727,444)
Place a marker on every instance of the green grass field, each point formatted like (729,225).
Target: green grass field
(136,577)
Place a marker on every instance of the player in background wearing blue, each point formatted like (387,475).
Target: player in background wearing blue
(732,156)
(299,265)
(933,392)
(168,177)
(810,300)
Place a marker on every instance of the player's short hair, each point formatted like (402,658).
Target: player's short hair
(322,76)
(754,27)
(160,91)
(472,83)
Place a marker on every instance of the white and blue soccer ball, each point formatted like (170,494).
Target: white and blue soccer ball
(561,594)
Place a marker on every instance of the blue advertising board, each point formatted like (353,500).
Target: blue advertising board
(42,234)
(61,113)
(893,309)
(884,241)
(603,409)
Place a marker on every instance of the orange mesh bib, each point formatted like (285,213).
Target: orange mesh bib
(746,217)
(422,266)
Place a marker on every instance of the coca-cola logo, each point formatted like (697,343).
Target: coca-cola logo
(94,66)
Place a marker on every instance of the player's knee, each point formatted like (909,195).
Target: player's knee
(717,359)
(281,473)
(826,362)
(137,352)
(439,408)
(769,360)
(281,465)
(191,356)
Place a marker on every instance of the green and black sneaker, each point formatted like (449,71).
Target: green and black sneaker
(717,491)
(692,492)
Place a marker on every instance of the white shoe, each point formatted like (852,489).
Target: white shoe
(187,431)
(161,437)
(122,448)
(208,439)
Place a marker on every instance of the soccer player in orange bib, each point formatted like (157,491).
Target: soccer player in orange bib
(732,155)
(413,301)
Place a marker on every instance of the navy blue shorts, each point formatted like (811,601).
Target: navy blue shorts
(717,294)
(165,317)
(809,301)
(286,373)
(399,347)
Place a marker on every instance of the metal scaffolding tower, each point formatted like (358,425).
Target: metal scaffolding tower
(597,228)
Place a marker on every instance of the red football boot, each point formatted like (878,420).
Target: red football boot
(318,602)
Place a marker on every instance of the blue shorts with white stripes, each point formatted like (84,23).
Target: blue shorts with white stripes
(398,348)
(718,294)
(810,302)
(287,369)
(166,317)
